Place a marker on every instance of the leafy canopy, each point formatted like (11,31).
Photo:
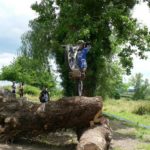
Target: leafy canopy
(140,85)
(28,71)
(114,35)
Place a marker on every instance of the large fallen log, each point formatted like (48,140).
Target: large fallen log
(19,117)
(97,137)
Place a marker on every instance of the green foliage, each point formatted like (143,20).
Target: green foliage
(110,81)
(148,93)
(31,90)
(28,89)
(142,109)
(116,95)
(114,35)
(57,94)
(7,88)
(125,108)
(141,86)
(27,70)
(124,87)
(145,146)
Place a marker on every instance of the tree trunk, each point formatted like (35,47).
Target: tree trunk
(20,118)
(95,138)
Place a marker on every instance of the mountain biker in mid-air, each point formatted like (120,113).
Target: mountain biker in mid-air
(76,56)
(81,56)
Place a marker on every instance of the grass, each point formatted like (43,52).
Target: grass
(32,98)
(137,133)
(32,93)
(143,134)
(143,147)
(7,88)
(31,90)
(142,108)
(28,89)
(126,109)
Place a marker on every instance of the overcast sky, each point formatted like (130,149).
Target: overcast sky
(14,19)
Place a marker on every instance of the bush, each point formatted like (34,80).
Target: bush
(142,109)
(116,95)
(7,88)
(31,90)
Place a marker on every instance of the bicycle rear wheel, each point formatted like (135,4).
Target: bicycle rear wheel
(69,56)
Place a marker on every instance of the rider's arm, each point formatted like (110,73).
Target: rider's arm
(85,50)
(88,46)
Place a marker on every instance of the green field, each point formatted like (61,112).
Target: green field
(136,111)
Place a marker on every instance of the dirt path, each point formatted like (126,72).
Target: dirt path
(124,138)
(35,146)
(20,147)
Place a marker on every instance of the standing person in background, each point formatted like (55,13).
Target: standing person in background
(44,98)
(13,88)
(21,89)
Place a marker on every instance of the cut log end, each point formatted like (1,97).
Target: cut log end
(96,138)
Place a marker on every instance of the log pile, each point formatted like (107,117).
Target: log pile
(96,138)
(20,118)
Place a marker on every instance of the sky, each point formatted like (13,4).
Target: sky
(14,19)
(142,13)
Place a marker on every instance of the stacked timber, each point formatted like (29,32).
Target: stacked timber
(22,118)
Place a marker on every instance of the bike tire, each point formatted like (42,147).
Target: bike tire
(80,87)
(70,62)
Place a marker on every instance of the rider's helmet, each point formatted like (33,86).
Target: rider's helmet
(80,42)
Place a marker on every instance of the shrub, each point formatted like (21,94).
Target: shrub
(117,95)
(142,109)
(7,88)
(31,90)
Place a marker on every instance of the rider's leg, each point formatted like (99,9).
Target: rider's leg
(83,67)
(83,72)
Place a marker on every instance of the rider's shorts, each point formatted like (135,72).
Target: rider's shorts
(82,64)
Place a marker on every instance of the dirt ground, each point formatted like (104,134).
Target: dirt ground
(123,139)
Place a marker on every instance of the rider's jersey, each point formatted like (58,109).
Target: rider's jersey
(82,58)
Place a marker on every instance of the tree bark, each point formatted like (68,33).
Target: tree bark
(20,118)
(95,138)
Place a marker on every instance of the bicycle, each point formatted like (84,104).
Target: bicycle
(75,73)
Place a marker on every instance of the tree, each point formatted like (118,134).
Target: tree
(27,70)
(140,86)
(114,35)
